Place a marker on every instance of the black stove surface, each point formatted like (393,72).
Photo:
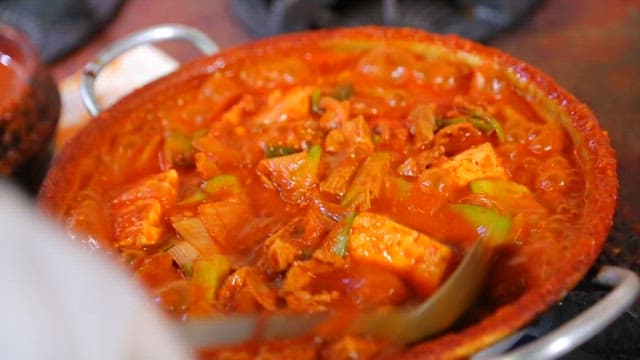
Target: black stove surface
(474,19)
(621,340)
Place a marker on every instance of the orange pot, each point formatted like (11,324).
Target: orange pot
(97,160)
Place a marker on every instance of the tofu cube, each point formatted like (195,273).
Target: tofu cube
(422,261)
(477,162)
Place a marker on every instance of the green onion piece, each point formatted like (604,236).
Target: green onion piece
(210,273)
(130,256)
(497,187)
(451,121)
(178,146)
(309,168)
(496,127)
(402,187)
(272,151)
(184,254)
(313,155)
(192,230)
(200,133)
(224,183)
(478,123)
(315,100)
(342,92)
(489,223)
(195,197)
(307,253)
(485,123)
(342,240)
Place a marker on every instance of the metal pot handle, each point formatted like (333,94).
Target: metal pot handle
(148,35)
(626,287)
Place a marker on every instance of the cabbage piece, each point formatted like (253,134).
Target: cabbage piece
(247,290)
(337,181)
(222,218)
(368,181)
(283,247)
(138,211)
(292,105)
(422,124)
(292,175)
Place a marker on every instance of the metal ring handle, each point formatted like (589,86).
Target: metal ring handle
(149,35)
(626,287)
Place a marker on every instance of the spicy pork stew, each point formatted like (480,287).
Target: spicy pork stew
(332,174)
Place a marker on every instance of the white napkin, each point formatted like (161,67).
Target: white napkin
(60,301)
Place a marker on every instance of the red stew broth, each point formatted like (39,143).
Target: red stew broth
(237,115)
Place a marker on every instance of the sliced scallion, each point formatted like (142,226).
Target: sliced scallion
(342,240)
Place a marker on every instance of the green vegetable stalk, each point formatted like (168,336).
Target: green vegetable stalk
(211,272)
(224,183)
(492,225)
(342,240)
